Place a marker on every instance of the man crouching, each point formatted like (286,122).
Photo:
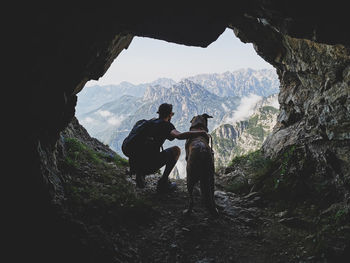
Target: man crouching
(151,158)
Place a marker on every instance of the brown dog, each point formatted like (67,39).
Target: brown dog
(200,165)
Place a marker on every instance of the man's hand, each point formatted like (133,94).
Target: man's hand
(187,135)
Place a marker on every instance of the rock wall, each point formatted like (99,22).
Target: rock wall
(314,95)
(314,98)
(55,49)
(314,105)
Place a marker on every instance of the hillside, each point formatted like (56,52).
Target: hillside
(109,220)
(232,140)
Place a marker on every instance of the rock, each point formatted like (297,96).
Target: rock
(282,214)
(185,229)
(221,196)
(251,195)
(294,222)
(205,260)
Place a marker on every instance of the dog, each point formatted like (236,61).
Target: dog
(200,165)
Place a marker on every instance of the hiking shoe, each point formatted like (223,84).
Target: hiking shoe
(166,187)
(140,181)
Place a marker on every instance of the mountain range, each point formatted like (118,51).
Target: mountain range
(238,83)
(109,112)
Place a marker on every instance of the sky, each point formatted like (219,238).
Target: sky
(147,59)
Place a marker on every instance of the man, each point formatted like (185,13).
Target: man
(150,158)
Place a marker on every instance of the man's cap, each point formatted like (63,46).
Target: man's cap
(165,109)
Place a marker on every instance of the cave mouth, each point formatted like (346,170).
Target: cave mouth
(227,68)
(61,52)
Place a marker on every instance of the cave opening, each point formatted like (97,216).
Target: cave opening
(311,54)
(227,80)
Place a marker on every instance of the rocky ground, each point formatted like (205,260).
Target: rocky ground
(110,220)
(247,230)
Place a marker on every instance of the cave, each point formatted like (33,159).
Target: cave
(61,48)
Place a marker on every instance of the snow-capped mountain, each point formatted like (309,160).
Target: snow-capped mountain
(90,98)
(240,83)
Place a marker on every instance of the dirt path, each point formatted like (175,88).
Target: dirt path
(245,231)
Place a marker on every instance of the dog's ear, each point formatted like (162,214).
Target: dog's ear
(192,119)
(207,116)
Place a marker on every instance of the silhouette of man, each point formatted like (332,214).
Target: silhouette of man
(151,158)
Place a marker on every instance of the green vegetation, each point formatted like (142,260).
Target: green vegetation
(285,165)
(265,174)
(255,128)
(342,214)
(268,110)
(255,167)
(96,189)
(255,162)
(222,145)
(257,131)
(77,153)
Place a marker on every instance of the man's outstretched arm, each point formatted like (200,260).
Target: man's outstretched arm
(186,135)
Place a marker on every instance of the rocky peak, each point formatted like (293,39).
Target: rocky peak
(187,88)
(152,93)
(239,83)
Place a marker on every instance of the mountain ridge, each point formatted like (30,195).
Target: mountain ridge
(92,97)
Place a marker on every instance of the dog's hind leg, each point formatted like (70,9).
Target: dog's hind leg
(207,192)
(190,187)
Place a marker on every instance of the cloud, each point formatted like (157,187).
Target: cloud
(245,109)
(88,120)
(105,113)
(275,103)
(115,120)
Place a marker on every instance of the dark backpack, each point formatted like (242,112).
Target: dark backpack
(137,137)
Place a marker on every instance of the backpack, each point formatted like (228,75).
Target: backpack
(137,137)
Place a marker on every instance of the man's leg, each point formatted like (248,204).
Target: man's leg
(173,155)
(138,166)
(140,180)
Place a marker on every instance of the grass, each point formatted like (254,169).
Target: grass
(96,190)
(77,153)
(255,167)
(286,158)
(254,162)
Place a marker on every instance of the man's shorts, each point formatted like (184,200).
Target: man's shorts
(150,163)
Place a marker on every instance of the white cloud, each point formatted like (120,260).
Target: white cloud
(275,103)
(105,113)
(245,109)
(88,120)
(115,120)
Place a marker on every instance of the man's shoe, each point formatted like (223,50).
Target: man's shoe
(166,187)
(140,181)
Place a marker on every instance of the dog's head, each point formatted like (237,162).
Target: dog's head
(200,121)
